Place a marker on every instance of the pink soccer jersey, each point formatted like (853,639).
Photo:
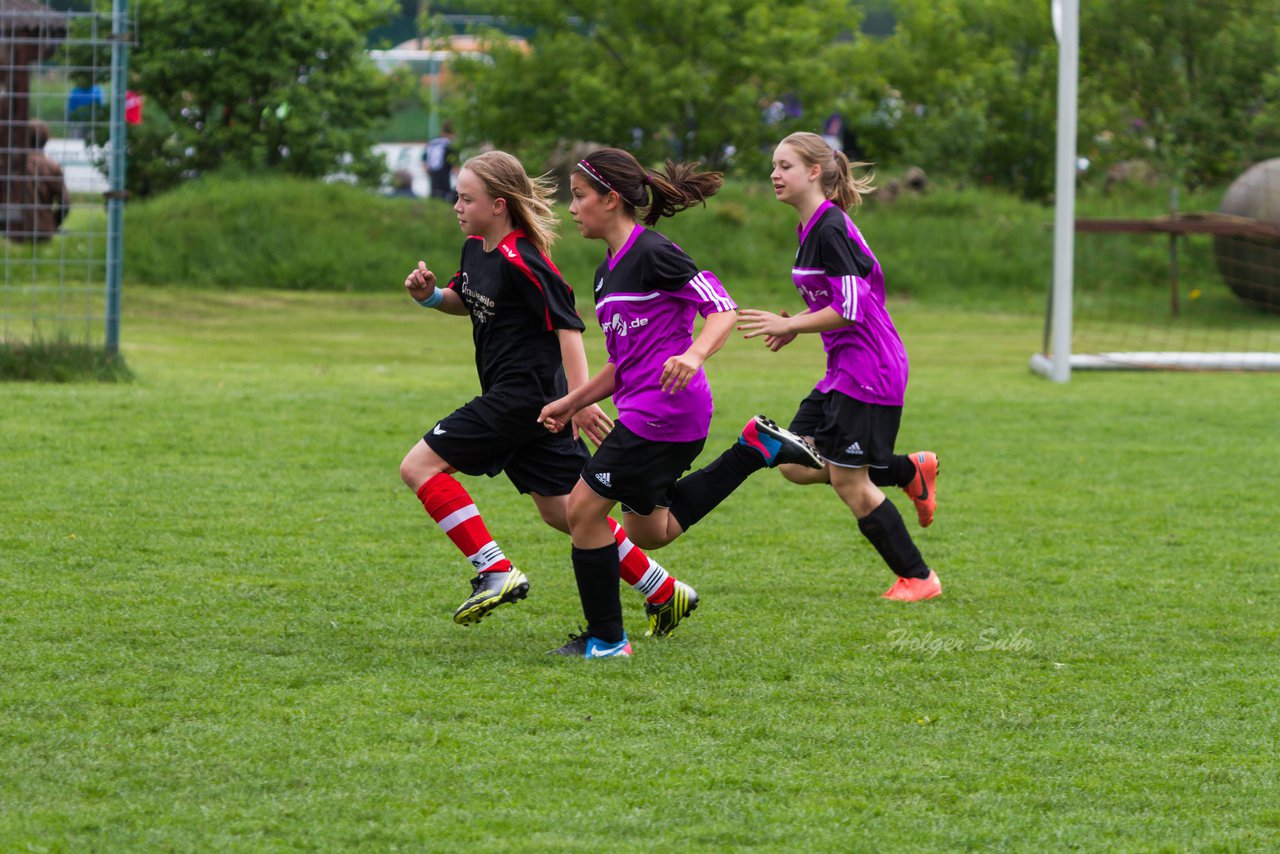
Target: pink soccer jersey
(835,267)
(647,296)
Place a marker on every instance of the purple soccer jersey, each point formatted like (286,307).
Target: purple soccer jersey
(646,299)
(835,267)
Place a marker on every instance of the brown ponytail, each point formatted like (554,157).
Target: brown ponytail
(658,194)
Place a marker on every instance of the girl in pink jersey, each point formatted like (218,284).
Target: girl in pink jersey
(853,413)
(648,293)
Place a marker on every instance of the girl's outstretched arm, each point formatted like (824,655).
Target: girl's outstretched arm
(755,322)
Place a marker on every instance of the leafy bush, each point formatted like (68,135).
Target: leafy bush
(227,232)
(955,245)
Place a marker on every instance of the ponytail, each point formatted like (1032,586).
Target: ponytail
(681,186)
(659,193)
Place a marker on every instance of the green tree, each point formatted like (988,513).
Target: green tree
(662,78)
(1187,85)
(281,85)
(974,83)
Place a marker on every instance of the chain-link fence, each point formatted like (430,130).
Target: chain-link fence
(63,111)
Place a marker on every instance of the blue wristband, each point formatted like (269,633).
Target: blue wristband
(437,297)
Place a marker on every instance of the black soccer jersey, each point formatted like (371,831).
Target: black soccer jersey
(517,300)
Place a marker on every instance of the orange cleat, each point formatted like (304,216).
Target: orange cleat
(914,589)
(923,487)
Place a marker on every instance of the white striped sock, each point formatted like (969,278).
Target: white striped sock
(489,554)
(653,578)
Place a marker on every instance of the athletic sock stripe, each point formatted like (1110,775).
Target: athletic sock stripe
(652,579)
(489,554)
(457,517)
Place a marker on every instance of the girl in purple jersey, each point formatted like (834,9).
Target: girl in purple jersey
(853,413)
(528,341)
(648,293)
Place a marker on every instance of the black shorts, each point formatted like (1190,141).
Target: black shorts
(533,459)
(848,432)
(638,472)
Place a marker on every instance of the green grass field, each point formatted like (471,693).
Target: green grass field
(225,623)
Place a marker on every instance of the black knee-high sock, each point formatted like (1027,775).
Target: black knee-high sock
(886,531)
(698,493)
(901,472)
(596,571)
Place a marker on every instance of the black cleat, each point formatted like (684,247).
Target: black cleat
(665,617)
(778,445)
(488,591)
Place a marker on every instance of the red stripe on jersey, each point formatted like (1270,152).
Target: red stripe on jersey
(509,251)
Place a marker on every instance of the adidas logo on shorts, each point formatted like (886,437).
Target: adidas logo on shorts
(855,448)
(603,477)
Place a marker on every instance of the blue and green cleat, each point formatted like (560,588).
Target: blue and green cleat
(585,646)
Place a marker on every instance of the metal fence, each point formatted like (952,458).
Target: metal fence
(63,109)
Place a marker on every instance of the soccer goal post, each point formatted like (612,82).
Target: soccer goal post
(1056,365)
(1220,308)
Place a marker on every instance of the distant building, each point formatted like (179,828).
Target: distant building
(432,64)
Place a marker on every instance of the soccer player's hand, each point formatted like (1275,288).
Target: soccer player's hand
(421,282)
(556,414)
(772,326)
(677,371)
(594,422)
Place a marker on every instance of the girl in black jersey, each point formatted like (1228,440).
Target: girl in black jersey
(853,412)
(528,343)
(648,293)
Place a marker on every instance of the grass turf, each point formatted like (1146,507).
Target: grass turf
(225,622)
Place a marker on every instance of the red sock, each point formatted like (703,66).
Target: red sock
(639,570)
(456,514)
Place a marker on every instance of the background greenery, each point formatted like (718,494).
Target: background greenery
(226,622)
(958,245)
(965,88)
(280,86)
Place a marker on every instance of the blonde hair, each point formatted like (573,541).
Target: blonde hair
(528,199)
(838,181)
